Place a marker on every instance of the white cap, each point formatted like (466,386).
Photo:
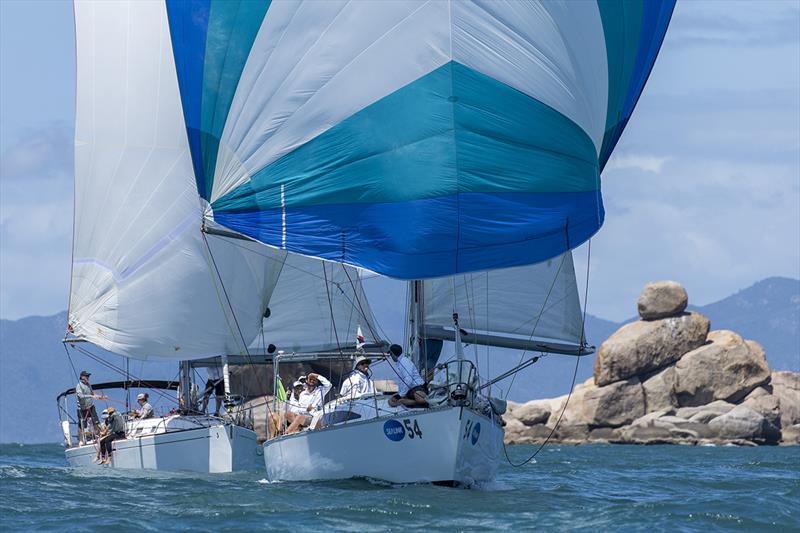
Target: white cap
(141,396)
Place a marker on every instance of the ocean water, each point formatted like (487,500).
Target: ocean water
(568,488)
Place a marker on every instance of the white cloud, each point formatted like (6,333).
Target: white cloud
(646,163)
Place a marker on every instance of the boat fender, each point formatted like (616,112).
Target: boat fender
(499,405)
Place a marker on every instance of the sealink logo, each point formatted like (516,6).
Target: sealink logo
(394,430)
(476,432)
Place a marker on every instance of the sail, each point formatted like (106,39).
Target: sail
(317,306)
(146,282)
(530,302)
(414,139)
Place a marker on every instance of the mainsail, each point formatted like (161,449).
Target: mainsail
(511,306)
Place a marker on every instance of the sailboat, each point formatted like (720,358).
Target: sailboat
(454,145)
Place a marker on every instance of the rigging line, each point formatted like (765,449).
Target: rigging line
(69,358)
(574,373)
(330,307)
(253,367)
(233,242)
(360,307)
(538,318)
(117,369)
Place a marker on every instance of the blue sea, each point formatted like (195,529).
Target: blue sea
(567,488)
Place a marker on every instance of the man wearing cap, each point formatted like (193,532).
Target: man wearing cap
(145,410)
(293,407)
(86,410)
(412,391)
(116,430)
(310,400)
(358,383)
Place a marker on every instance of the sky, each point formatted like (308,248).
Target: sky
(704,187)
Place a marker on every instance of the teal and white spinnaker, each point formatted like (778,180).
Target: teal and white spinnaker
(411,138)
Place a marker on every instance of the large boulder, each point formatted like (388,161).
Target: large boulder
(533,412)
(644,346)
(573,411)
(741,422)
(662,299)
(659,390)
(727,368)
(614,405)
(766,405)
(705,413)
(786,387)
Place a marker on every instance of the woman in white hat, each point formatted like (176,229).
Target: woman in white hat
(145,410)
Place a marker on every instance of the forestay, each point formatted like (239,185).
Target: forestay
(316,306)
(531,302)
(146,282)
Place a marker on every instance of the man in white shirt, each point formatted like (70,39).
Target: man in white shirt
(412,391)
(358,383)
(310,400)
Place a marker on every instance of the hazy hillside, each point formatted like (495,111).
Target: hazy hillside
(34,367)
(768,312)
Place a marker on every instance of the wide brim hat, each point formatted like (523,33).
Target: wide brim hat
(298,383)
(141,396)
(363,359)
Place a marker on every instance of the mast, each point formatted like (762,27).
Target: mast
(186,387)
(418,348)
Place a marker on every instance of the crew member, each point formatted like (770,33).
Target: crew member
(358,383)
(310,400)
(412,391)
(86,409)
(145,410)
(116,430)
(216,383)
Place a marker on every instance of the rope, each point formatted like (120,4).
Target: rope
(538,318)
(574,373)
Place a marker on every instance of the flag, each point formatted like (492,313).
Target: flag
(280,392)
(359,339)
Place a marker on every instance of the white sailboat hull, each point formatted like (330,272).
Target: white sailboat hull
(446,445)
(213,449)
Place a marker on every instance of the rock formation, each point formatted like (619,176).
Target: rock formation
(667,379)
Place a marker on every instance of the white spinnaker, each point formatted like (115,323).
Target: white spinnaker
(314,64)
(532,301)
(143,282)
(316,306)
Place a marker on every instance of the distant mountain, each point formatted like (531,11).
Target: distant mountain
(34,367)
(767,312)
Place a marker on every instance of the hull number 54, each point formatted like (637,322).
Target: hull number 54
(396,431)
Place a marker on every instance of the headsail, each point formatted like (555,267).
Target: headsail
(317,306)
(146,282)
(414,139)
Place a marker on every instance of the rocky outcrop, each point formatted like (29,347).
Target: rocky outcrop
(647,345)
(667,379)
(662,299)
(726,368)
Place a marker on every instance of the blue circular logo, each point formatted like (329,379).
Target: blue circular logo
(394,430)
(476,432)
